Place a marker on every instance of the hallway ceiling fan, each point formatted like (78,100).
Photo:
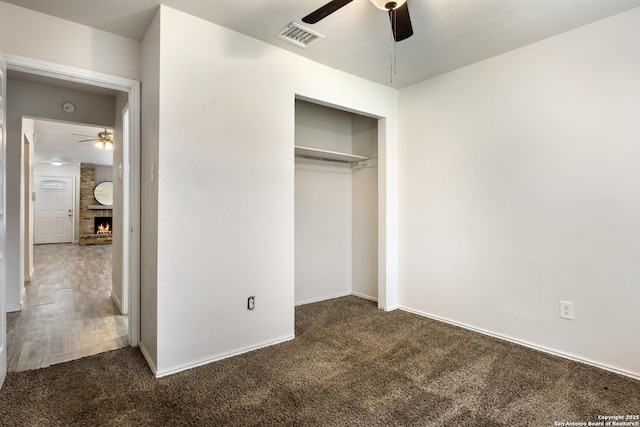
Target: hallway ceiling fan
(398,15)
(104,140)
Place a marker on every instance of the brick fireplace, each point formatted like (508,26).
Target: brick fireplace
(90,176)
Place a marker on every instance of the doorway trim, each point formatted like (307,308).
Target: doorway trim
(132,237)
(125,173)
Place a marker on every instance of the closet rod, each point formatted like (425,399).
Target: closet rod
(300,156)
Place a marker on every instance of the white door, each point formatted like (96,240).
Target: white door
(53,210)
(3,222)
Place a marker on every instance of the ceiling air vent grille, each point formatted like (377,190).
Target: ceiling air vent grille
(298,35)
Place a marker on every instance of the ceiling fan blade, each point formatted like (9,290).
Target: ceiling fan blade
(325,11)
(401,23)
(79,134)
(87,140)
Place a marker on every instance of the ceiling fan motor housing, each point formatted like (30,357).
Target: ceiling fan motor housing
(398,12)
(388,5)
(106,136)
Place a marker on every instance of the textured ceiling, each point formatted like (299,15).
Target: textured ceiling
(448,34)
(58,141)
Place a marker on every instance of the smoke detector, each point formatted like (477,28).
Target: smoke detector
(298,35)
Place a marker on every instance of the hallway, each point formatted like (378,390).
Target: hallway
(67,311)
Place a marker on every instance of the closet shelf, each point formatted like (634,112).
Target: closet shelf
(335,156)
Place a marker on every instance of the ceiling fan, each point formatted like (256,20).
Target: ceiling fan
(398,15)
(104,140)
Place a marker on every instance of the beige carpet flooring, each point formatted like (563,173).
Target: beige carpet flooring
(349,365)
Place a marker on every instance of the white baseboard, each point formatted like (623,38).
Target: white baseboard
(523,343)
(148,358)
(324,298)
(363,296)
(220,357)
(340,295)
(13,308)
(29,277)
(117,301)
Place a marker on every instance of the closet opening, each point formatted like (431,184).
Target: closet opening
(336,204)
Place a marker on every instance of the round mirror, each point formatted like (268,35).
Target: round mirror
(104,193)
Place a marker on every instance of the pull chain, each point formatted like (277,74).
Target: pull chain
(393,67)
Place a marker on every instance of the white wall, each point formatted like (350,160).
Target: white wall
(364,235)
(327,128)
(40,101)
(364,259)
(519,186)
(226,185)
(322,231)
(35,35)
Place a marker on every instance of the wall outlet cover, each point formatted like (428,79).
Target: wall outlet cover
(566,310)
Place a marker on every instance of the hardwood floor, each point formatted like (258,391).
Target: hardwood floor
(67,312)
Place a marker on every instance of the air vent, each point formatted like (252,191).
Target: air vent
(298,35)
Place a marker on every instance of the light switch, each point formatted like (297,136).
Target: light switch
(153,172)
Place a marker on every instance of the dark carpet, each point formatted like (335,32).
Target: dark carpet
(350,365)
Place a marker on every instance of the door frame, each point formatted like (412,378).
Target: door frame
(132,88)
(126,207)
(3,222)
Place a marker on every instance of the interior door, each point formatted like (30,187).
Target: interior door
(3,242)
(53,210)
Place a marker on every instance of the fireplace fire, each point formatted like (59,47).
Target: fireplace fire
(102,225)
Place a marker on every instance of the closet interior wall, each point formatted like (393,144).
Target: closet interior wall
(336,221)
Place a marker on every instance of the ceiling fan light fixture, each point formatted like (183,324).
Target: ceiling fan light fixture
(388,5)
(108,146)
(99,145)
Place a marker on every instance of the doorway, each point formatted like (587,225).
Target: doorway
(68,309)
(67,74)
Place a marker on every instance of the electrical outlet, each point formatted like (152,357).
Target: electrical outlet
(251,303)
(566,310)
